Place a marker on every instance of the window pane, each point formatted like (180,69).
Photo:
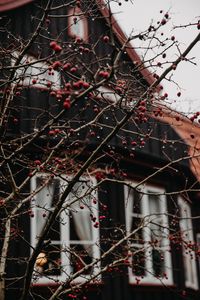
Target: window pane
(137,202)
(138,261)
(81,226)
(138,236)
(54,233)
(81,211)
(48,262)
(82,192)
(154,204)
(155,219)
(48,196)
(158,262)
(45,199)
(188,239)
(80,256)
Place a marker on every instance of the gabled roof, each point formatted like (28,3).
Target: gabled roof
(188,131)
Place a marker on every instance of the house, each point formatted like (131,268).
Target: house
(128,225)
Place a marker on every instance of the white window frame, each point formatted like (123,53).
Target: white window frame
(149,277)
(38,70)
(186,228)
(65,236)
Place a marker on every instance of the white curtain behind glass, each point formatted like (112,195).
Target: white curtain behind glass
(44,199)
(81,217)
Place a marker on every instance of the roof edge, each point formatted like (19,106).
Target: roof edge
(6,5)
(147,75)
(189,132)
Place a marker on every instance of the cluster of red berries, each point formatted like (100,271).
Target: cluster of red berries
(158,112)
(195,116)
(141,113)
(54,45)
(54,131)
(104,74)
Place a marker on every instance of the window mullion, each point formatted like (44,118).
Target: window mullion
(147,235)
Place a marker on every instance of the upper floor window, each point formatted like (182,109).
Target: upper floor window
(149,248)
(77,24)
(72,242)
(32,72)
(188,244)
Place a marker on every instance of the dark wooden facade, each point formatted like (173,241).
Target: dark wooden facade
(154,153)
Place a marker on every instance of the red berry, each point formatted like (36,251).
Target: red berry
(68,85)
(34,81)
(106,39)
(51,132)
(92,133)
(86,50)
(57,130)
(67,104)
(66,66)
(96,110)
(73,70)
(106,74)
(37,162)
(192,118)
(53,44)
(133,143)
(101,73)
(58,48)
(76,85)
(78,40)
(86,85)
(163,22)
(49,83)
(174,67)
(56,65)
(53,94)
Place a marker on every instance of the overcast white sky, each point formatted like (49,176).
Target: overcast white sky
(139,15)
